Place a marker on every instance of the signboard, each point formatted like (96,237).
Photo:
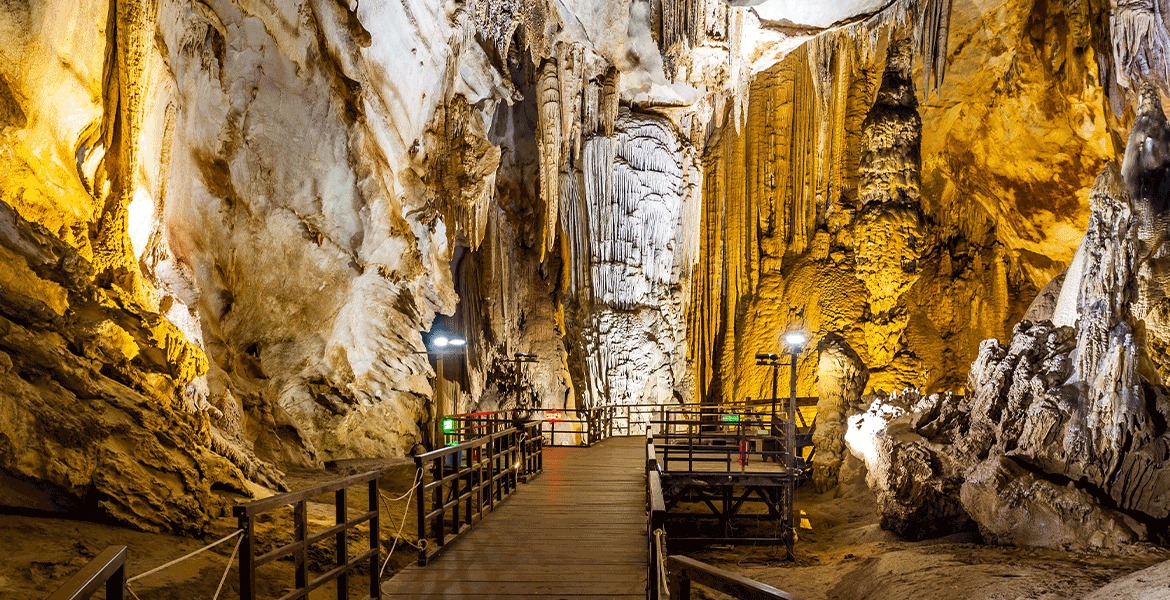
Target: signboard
(554,415)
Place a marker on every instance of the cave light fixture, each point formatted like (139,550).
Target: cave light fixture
(442,345)
(443,342)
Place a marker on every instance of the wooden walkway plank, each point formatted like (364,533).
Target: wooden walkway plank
(578,531)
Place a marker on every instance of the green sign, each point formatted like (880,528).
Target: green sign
(731,418)
(448,425)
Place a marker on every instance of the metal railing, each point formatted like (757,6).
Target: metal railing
(298,549)
(469,478)
(107,571)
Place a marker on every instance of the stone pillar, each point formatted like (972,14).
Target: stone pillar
(841,379)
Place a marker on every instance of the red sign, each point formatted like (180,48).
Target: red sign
(554,415)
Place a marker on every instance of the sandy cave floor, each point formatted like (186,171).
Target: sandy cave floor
(38,553)
(845,555)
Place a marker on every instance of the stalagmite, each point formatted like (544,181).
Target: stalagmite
(891,228)
(841,379)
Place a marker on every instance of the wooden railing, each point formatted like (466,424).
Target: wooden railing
(469,478)
(298,549)
(733,444)
(670,577)
(585,427)
(656,579)
(683,571)
(107,571)
(468,427)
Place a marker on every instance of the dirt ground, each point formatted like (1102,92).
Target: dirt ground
(38,553)
(842,554)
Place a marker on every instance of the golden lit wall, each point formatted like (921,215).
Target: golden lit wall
(826,213)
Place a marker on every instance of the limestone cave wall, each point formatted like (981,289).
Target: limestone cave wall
(909,181)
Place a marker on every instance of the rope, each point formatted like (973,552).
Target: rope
(398,534)
(417,477)
(179,560)
(229,568)
(132,592)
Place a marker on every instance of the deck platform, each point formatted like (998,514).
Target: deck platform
(578,531)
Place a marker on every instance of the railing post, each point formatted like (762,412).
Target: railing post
(116,585)
(680,586)
(247,557)
(300,533)
(456,490)
(469,485)
(439,522)
(421,507)
(375,541)
(341,553)
(491,471)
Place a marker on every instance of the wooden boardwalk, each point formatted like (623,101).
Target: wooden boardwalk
(577,531)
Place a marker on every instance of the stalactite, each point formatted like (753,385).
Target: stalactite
(550,140)
(575,227)
(1141,42)
(609,99)
(591,109)
(571,63)
(933,28)
(133,36)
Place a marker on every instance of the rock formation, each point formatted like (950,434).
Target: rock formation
(1063,438)
(90,421)
(856,202)
(841,379)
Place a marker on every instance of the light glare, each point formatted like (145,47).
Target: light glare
(795,339)
(442,341)
(456,342)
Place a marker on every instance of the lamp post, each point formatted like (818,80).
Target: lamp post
(795,344)
(442,345)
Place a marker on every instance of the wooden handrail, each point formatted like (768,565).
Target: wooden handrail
(684,571)
(298,549)
(107,570)
(657,503)
(469,479)
(279,500)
